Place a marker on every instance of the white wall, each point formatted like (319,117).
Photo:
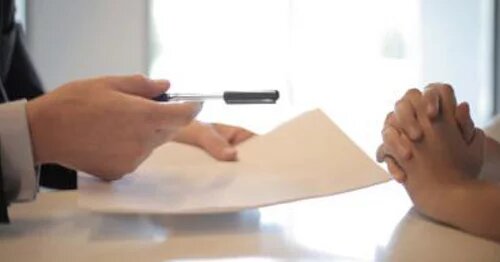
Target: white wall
(83,38)
(458,49)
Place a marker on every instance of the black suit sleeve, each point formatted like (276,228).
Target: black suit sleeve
(22,80)
(19,80)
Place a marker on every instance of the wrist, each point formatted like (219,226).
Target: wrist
(34,114)
(443,202)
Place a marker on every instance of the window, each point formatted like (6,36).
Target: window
(353,58)
(21,11)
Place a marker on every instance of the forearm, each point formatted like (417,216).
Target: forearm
(491,166)
(474,208)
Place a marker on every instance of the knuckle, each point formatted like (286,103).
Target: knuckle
(389,117)
(388,135)
(403,110)
(447,89)
(400,104)
(431,94)
(413,92)
(393,122)
(431,86)
(413,96)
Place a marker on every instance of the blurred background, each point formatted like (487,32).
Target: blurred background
(352,58)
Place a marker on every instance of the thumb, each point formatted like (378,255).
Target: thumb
(218,147)
(140,85)
(393,167)
(477,143)
(380,155)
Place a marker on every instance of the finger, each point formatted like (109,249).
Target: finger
(396,145)
(140,85)
(234,135)
(228,132)
(447,99)
(406,115)
(431,99)
(465,122)
(218,147)
(241,136)
(391,121)
(395,170)
(174,115)
(380,155)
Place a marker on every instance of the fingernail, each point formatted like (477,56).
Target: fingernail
(161,82)
(467,107)
(197,105)
(229,153)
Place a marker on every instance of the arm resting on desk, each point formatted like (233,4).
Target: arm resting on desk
(473,207)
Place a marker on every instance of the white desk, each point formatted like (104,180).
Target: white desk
(373,224)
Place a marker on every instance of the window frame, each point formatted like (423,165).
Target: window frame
(496,61)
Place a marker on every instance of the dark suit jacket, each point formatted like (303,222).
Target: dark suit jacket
(18,79)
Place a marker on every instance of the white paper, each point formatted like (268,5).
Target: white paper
(306,157)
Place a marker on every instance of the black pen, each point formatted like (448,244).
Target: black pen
(230,97)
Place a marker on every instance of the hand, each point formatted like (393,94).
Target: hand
(404,120)
(104,126)
(217,139)
(442,159)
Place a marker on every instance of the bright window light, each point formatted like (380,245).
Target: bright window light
(353,58)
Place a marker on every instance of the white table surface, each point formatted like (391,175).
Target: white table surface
(372,224)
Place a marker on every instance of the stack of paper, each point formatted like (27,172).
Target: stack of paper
(307,157)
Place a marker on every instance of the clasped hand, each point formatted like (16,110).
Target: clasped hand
(431,144)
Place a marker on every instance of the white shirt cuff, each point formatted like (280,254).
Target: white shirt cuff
(18,168)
